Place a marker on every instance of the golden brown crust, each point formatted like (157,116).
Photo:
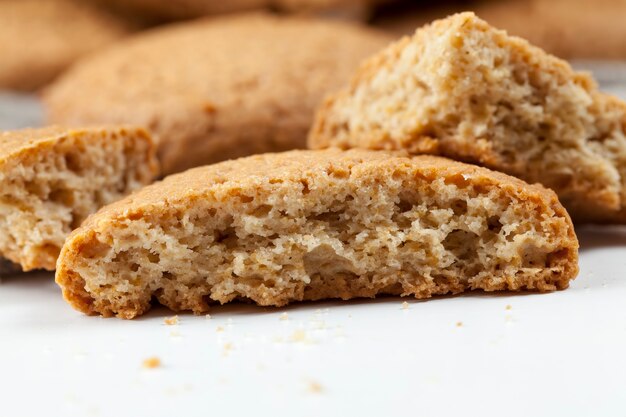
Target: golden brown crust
(43,37)
(253,86)
(465,90)
(232,185)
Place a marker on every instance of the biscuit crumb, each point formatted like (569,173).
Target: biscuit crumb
(315,387)
(298,336)
(170,321)
(219,329)
(508,307)
(228,347)
(208,317)
(405,306)
(152,363)
(459,324)
(284,316)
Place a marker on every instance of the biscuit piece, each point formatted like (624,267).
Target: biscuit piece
(52,178)
(462,89)
(216,89)
(310,225)
(40,38)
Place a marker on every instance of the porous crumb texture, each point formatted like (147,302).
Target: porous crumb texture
(216,89)
(465,90)
(310,225)
(52,178)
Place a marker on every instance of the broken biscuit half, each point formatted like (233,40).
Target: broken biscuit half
(311,225)
(465,90)
(52,178)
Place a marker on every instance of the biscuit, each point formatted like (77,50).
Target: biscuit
(52,178)
(571,29)
(462,89)
(310,225)
(216,89)
(185,9)
(41,38)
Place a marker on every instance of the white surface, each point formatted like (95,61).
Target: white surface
(562,353)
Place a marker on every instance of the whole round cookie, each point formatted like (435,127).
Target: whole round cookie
(40,38)
(570,29)
(216,89)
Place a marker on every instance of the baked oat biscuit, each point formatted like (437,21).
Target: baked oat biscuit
(184,9)
(52,178)
(462,89)
(216,89)
(41,38)
(571,29)
(310,225)
(591,29)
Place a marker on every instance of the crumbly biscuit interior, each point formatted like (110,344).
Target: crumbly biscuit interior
(462,89)
(46,194)
(315,238)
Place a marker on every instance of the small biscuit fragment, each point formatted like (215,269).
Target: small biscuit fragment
(40,38)
(310,225)
(462,89)
(216,89)
(52,178)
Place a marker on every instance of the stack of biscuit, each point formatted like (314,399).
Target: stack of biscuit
(447,161)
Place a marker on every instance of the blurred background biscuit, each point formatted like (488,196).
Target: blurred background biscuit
(40,38)
(215,89)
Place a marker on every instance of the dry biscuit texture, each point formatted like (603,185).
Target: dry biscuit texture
(465,90)
(216,89)
(52,178)
(309,225)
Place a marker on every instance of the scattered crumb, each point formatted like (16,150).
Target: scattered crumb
(315,387)
(508,307)
(405,305)
(208,317)
(298,336)
(175,333)
(228,347)
(219,329)
(459,324)
(171,321)
(318,324)
(151,363)
(284,316)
